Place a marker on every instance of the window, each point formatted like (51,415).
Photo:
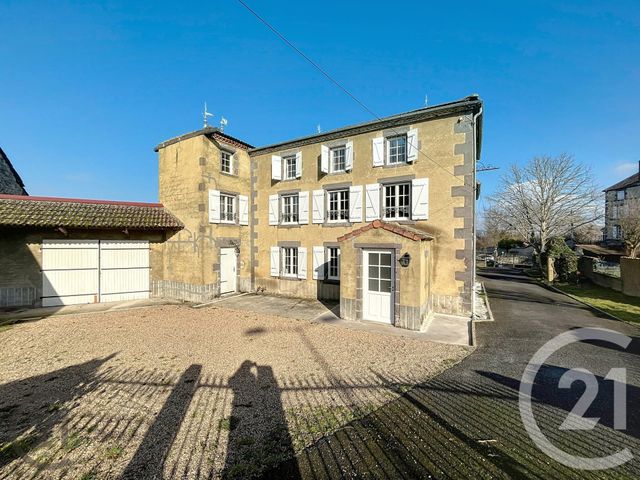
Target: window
(225,162)
(290,262)
(289,167)
(227,208)
(338,162)
(333,257)
(290,208)
(617,232)
(620,194)
(338,208)
(397,150)
(397,201)
(614,212)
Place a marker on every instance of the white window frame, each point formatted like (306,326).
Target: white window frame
(402,159)
(333,269)
(294,216)
(341,214)
(332,159)
(228,156)
(289,162)
(396,196)
(289,256)
(224,212)
(621,197)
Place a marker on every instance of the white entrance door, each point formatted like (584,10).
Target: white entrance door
(89,271)
(70,272)
(377,285)
(227,270)
(124,270)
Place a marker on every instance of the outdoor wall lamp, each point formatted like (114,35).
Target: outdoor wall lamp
(404,260)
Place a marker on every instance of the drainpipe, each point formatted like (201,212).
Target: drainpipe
(473,226)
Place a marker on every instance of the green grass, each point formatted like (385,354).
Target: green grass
(114,452)
(615,303)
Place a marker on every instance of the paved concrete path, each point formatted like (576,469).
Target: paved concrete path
(442,328)
(465,423)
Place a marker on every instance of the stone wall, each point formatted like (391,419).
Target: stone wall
(585,266)
(630,274)
(9,183)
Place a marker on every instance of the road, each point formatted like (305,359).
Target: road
(465,423)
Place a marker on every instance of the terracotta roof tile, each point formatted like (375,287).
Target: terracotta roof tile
(406,231)
(23,211)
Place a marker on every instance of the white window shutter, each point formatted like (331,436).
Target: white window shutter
(412,145)
(298,164)
(348,156)
(276,167)
(420,199)
(303,206)
(355,203)
(274,211)
(324,159)
(317,206)
(235,164)
(275,261)
(243,209)
(302,262)
(214,206)
(377,145)
(318,263)
(372,202)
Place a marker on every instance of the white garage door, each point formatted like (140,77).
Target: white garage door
(88,271)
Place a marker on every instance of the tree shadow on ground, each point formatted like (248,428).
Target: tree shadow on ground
(31,408)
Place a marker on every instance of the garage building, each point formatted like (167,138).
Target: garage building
(58,251)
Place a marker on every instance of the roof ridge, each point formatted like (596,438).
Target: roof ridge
(79,200)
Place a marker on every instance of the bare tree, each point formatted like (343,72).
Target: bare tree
(547,198)
(629,222)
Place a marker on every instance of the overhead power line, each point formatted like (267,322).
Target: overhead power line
(338,84)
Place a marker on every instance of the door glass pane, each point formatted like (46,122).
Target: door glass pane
(373,271)
(373,285)
(385,273)
(385,286)
(385,259)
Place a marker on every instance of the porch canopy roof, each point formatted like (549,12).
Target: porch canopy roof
(407,231)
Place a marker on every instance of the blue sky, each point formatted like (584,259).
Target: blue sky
(87,89)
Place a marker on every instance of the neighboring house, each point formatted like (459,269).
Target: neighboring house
(617,201)
(10,181)
(379,216)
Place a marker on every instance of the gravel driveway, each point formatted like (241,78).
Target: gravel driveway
(176,392)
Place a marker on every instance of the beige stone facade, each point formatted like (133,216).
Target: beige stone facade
(434,177)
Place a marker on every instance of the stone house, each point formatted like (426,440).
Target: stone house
(10,181)
(618,199)
(378,216)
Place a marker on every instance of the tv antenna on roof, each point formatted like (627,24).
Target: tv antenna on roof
(426,99)
(223,123)
(206,114)
(318,128)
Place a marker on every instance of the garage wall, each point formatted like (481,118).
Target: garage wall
(21,260)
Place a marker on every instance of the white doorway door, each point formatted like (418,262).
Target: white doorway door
(377,288)
(228,279)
